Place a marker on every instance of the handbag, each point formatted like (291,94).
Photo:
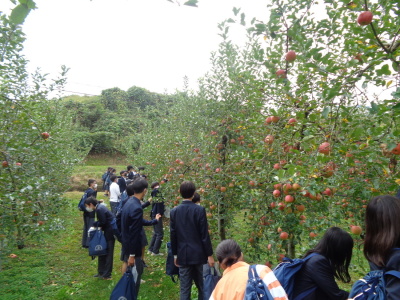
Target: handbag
(211,276)
(126,286)
(97,243)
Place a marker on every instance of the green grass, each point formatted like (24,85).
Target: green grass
(56,267)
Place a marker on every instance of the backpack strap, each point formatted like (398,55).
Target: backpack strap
(304,294)
(253,273)
(393,273)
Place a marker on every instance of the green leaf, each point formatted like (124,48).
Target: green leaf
(19,13)
(374,108)
(326,112)
(29,3)
(242,21)
(383,71)
(236,11)
(397,106)
(191,3)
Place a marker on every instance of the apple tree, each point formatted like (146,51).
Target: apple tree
(37,151)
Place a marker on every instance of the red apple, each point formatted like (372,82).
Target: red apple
(292,121)
(277,166)
(365,18)
(355,230)
(289,198)
(324,148)
(284,235)
(290,56)
(18,164)
(358,57)
(281,73)
(281,206)
(45,135)
(396,150)
(268,120)
(296,186)
(276,193)
(223,189)
(313,234)
(275,119)
(277,186)
(5,164)
(300,207)
(252,183)
(12,255)
(269,139)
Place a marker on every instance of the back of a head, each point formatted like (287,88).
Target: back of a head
(187,189)
(129,168)
(382,228)
(137,186)
(113,178)
(154,184)
(91,200)
(337,246)
(228,252)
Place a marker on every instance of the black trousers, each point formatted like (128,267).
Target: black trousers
(158,234)
(87,223)
(105,264)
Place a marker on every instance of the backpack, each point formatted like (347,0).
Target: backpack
(285,272)
(255,288)
(372,286)
(81,204)
(211,276)
(104,176)
(170,268)
(97,243)
(116,221)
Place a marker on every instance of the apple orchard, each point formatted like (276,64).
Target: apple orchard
(287,136)
(292,134)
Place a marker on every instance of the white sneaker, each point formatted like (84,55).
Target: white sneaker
(142,281)
(157,254)
(149,252)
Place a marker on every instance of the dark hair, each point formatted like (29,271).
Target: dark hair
(137,186)
(141,168)
(228,252)
(113,177)
(337,246)
(382,228)
(122,172)
(91,200)
(129,167)
(154,184)
(90,181)
(196,198)
(187,189)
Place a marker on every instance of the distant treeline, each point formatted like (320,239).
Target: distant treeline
(110,122)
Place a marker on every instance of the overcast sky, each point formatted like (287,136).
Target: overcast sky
(122,43)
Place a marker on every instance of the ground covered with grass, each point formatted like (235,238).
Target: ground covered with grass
(57,267)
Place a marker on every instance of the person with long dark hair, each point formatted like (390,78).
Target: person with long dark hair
(319,272)
(232,285)
(382,239)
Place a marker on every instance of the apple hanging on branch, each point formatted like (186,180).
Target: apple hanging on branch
(290,56)
(45,135)
(365,18)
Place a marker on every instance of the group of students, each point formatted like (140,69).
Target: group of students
(191,247)
(122,191)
